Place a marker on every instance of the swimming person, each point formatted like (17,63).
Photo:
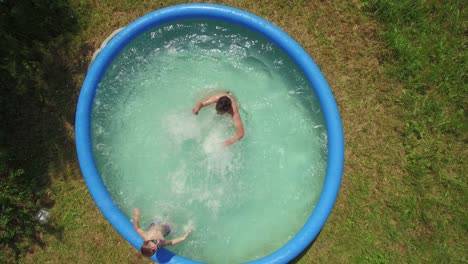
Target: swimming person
(154,237)
(225,103)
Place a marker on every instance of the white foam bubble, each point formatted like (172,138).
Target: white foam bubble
(214,206)
(218,158)
(213,143)
(181,126)
(179,179)
(190,225)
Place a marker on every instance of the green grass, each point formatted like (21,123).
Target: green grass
(398,72)
(427,39)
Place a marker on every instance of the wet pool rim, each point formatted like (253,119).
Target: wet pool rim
(335,140)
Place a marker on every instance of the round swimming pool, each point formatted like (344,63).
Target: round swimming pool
(257,52)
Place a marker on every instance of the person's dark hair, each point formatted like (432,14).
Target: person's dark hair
(146,250)
(223,105)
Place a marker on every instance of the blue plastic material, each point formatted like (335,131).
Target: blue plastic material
(121,223)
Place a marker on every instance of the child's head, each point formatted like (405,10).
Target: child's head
(223,105)
(148,248)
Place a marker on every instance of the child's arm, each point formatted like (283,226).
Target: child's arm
(211,100)
(136,225)
(176,240)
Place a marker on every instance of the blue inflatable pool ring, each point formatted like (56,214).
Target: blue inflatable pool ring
(103,200)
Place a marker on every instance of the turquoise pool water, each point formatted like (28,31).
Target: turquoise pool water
(242,202)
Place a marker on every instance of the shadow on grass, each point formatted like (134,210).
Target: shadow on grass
(37,105)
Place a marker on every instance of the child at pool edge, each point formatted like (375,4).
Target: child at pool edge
(225,103)
(154,237)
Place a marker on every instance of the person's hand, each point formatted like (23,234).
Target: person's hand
(196,109)
(228,143)
(187,234)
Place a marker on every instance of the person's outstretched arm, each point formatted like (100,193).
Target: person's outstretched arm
(211,100)
(240,130)
(237,124)
(136,225)
(176,240)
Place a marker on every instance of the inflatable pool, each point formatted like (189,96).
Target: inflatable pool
(335,142)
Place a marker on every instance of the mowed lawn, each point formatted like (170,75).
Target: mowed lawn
(397,70)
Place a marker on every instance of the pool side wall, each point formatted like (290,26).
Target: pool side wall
(218,12)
